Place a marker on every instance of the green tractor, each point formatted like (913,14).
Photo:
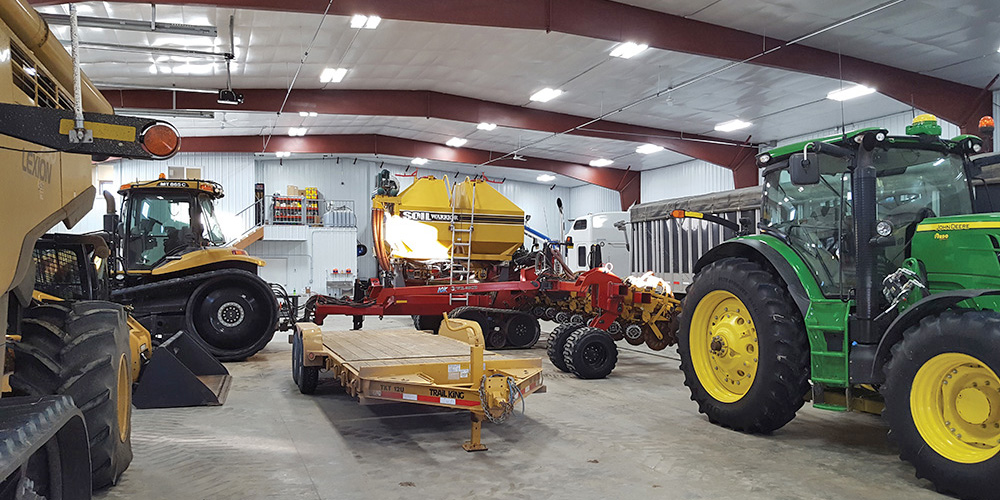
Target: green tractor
(872,286)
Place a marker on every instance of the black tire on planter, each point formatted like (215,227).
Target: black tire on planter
(590,353)
(81,349)
(522,331)
(783,370)
(485,324)
(305,377)
(976,333)
(556,342)
(233,316)
(430,322)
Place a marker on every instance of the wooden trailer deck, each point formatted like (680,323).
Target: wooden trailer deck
(451,369)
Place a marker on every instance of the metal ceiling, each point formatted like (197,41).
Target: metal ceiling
(461,57)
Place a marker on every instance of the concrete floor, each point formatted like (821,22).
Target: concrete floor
(633,435)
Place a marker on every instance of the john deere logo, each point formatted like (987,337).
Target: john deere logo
(952,227)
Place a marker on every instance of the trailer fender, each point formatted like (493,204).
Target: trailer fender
(927,306)
(312,343)
(762,253)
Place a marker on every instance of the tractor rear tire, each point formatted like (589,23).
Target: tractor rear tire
(233,316)
(81,349)
(941,383)
(428,322)
(590,353)
(306,377)
(556,343)
(743,346)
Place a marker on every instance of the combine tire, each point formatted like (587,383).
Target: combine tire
(556,342)
(81,349)
(234,316)
(590,353)
(743,347)
(429,322)
(942,403)
(522,331)
(305,377)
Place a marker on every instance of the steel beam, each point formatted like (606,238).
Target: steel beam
(626,182)
(608,20)
(427,104)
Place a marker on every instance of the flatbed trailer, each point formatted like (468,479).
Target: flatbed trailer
(451,370)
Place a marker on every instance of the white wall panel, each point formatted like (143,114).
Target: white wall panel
(684,179)
(592,199)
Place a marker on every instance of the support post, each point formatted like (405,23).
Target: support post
(474,443)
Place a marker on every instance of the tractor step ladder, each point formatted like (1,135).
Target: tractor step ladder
(460,264)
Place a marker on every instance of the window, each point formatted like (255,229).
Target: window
(580,224)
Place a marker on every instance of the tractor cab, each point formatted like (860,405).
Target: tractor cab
(808,199)
(165,219)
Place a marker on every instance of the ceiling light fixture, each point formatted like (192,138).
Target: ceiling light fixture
(456,142)
(282,154)
(601,162)
(546,178)
(732,125)
(486,126)
(308,113)
(648,149)
(297,131)
(849,93)
(334,75)
(359,21)
(546,94)
(418,161)
(628,50)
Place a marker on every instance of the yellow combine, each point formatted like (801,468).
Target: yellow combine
(58,355)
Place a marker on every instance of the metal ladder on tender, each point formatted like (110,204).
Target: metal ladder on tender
(459,243)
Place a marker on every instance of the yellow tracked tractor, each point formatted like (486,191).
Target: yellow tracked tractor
(172,267)
(68,366)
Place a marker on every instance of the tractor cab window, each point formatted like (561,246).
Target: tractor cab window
(158,226)
(815,221)
(913,182)
(212,232)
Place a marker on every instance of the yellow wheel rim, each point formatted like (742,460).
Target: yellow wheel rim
(723,344)
(124,401)
(956,407)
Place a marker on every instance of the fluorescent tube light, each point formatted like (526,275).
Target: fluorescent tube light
(648,149)
(732,125)
(849,93)
(601,162)
(486,126)
(628,50)
(546,95)
(334,75)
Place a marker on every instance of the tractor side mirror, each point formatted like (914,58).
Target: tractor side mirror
(804,168)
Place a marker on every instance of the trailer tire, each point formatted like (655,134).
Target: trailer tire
(590,353)
(427,322)
(81,349)
(305,377)
(556,343)
(960,347)
(743,347)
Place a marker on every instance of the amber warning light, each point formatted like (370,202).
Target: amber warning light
(161,140)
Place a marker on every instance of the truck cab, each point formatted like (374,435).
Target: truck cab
(600,239)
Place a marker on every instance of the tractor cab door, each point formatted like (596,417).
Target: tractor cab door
(157,226)
(816,221)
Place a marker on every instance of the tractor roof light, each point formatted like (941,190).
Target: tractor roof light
(986,125)
(160,140)
(925,124)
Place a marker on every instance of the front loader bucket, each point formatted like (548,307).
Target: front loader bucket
(181,373)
